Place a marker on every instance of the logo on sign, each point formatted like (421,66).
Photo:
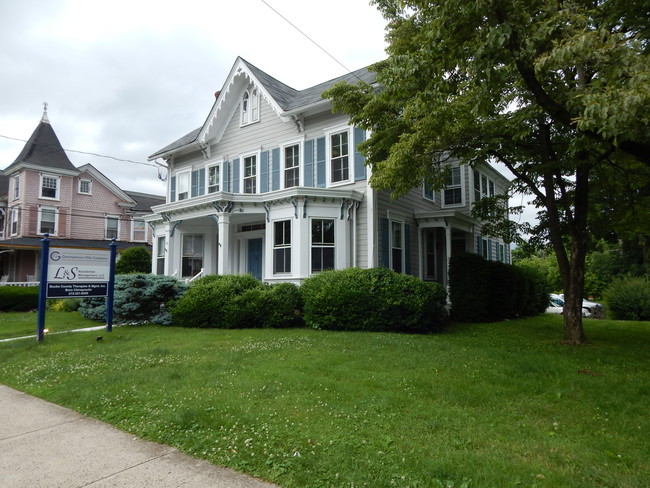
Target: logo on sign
(66,274)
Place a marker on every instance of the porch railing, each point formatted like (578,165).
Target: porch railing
(198,275)
(19,283)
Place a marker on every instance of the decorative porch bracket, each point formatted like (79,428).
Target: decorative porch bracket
(267,209)
(173,229)
(304,207)
(295,207)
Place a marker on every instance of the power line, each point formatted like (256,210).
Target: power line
(82,152)
(309,38)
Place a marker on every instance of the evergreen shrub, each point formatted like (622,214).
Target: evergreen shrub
(237,301)
(376,299)
(138,299)
(18,298)
(629,298)
(482,290)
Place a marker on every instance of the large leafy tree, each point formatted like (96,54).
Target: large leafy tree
(558,91)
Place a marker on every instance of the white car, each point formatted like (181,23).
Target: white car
(589,309)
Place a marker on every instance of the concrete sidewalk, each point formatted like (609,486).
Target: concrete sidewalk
(43,445)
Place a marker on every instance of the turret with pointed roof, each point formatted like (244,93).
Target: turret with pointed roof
(42,150)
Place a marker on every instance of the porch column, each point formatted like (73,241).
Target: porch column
(223,245)
(447,254)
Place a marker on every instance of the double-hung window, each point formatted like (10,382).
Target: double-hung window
(250,174)
(47,220)
(160,256)
(14,220)
(453,192)
(282,246)
(339,157)
(192,259)
(291,166)
(396,246)
(112,227)
(322,245)
(49,187)
(139,230)
(214,175)
(16,186)
(183,185)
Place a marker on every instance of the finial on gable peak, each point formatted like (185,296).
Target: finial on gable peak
(45,118)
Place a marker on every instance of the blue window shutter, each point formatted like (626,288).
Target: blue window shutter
(320,163)
(226,176)
(194,191)
(309,163)
(489,249)
(275,169)
(235,175)
(264,172)
(479,246)
(407,249)
(359,159)
(385,245)
(202,181)
(172,194)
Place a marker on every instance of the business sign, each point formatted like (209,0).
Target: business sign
(77,273)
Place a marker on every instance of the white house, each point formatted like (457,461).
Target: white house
(272,184)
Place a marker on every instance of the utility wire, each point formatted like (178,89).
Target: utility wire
(82,152)
(309,38)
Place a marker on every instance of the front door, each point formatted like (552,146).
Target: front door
(255,257)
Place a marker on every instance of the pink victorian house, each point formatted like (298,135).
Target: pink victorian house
(43,192)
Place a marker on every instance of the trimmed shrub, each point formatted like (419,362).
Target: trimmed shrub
(18,298)
(134,260)
(138,299)
(482,290)
(238,301)
(376,299)
(629,298)
(64,304)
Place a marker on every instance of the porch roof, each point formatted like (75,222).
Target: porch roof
(446,218)
(25,243)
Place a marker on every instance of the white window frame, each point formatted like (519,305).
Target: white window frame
(14,224)
(321,245)
(57,189)
(108,218)
(432,198)
(160,255)
(460,185)
(16,180)
(393,245)
(3,220)
(284,169)
(135,221)
(350,155)
(284,245)
(250,106)
(255,177)
(39,230)
(186,177)
(483,185)
(200,255)
(219,185)
(90,186)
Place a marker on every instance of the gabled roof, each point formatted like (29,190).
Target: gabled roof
(42,149)
(144,201)
(285,100)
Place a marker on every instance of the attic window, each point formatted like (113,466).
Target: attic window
(250,107)
(85,187)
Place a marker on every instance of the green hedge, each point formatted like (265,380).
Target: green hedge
(482,291)
(18,298)
(138,298)
(628,298)
(375,299)
(237,301)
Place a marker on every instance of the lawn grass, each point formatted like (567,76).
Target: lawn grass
(19,324)
(489,405)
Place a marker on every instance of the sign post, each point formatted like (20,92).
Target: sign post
(111,287)
(42,289)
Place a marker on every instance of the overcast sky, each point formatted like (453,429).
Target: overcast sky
(127,77)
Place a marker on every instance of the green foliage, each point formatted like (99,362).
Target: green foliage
(138,298)
(134,260)
(482,291)
(18,298)
(376,299)
(629,298)
(64,304)
(237,301)
(545,264)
